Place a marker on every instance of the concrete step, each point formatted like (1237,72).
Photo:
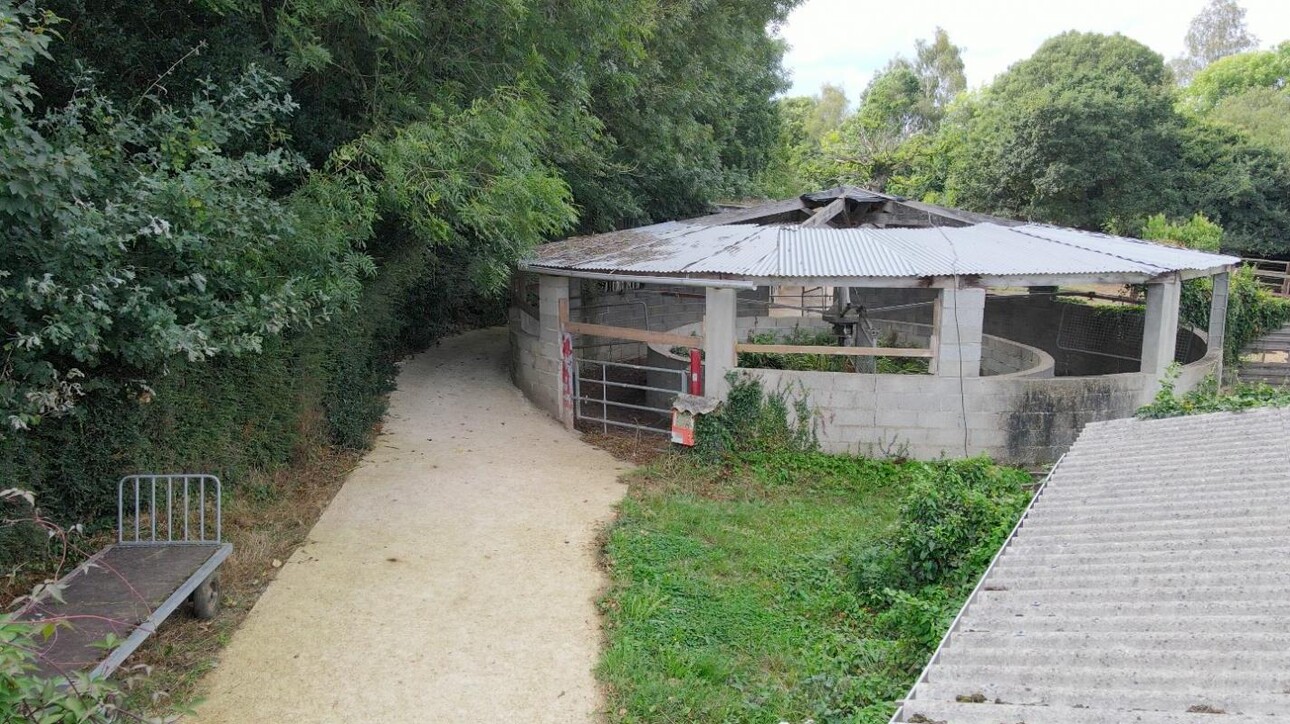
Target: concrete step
(1130,496)
(1176,641)
(1185,510)
(1017,606)
(1229,660)
(1001,580)
(989,596)
(1039,535)
(943,712)
(1095,478)
(1101,698)
(1253,569)
(1100,483)
(1133,556)
(1194,518)
(1000,622)
(1041,547)
(1178,679)
(1164,451)
(1151,448)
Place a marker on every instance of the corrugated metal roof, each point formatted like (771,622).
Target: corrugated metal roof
(775,251)
(1147,581)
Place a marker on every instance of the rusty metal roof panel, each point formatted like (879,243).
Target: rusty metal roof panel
(788,252)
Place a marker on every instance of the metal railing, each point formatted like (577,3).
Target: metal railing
(619,413)
(191,509)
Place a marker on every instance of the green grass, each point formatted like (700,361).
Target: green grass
(732,598)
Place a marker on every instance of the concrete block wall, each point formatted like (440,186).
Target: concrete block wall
(535,364)
(1013,418)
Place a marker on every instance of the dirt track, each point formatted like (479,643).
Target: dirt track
(452,579)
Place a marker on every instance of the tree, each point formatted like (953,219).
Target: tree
(131,236)
(1216,32)
(890,112)
(1198,232)
(1236,74)
(1081,132)
(939,65)
(1262,113)
(827,112)
(1250,91)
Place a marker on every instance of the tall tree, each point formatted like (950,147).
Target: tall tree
(939,65)
(1218,31)
(1082,131)
(829,110)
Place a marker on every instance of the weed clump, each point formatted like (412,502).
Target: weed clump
(954,517)
(753,420)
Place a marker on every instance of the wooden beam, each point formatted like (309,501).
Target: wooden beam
(635,335)
(842,351)
(824,215)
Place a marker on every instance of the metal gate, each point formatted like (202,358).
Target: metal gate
(626,395)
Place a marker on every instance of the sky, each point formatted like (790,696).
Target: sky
(846,41)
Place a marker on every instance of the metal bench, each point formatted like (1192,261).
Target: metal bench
(168,548)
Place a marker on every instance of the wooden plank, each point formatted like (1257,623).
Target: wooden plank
(635,335)
(824,215)
(844,351)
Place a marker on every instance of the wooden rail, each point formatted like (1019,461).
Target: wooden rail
(845,351)
(628,333)
(1271,274)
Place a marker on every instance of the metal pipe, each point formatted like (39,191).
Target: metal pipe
(674,281)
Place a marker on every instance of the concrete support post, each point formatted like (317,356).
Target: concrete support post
(718,341)
(1218,320)
(958,324)
(1160,327)
(553,292)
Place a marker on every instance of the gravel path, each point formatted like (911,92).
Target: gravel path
(452,579)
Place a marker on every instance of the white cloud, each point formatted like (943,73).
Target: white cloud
(846,41)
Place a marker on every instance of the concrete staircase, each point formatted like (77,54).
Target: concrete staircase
(1273,359)
(1149,582)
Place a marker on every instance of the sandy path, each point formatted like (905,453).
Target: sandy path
(453,577)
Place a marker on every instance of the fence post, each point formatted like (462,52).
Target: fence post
(696,372)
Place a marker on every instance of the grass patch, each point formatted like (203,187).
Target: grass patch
(774,587)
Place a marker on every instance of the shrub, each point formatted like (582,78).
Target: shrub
(954,517)
(753,420)
(1210,397)
(952,521)
(1252,311)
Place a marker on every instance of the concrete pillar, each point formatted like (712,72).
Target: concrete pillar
(552,292)
(719,332)
(958,323)
(1160,327)
(1218,320)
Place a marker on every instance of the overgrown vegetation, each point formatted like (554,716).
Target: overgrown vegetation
(217,245)
(1209,396)
(765,581)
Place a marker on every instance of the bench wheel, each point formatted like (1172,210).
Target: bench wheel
(206,599)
